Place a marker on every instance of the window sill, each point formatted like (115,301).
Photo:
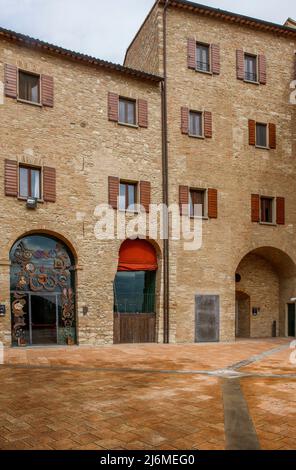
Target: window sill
(261,148)
(32,103)
(268,224)
(252,82)
(133,126)
(207,72)
(201,137)
(24,199)
(197,217)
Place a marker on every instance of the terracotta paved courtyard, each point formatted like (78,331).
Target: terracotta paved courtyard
(149,397)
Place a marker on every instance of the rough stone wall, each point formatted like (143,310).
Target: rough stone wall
(77,139)
(227,162)
(145,53)
(261,282)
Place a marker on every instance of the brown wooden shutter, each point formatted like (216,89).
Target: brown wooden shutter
(113,189)
(215,59)
(184,120)
(145,195)
(113,103)
(240,64)
(280,211)
(49,184)
(255,208)
(10,78)
(212,203)
(47,93)
(208,127)
(272,135)
(252,132)
(295,66)
(11,178)
(184,199)
(191,53)
(262,69)
(142,113)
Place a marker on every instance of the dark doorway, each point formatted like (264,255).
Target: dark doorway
(291,320)
(44,319)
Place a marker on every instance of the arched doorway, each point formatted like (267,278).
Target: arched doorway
(134,293)
(265,286)
(42,284)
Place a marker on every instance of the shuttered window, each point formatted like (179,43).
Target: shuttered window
(195,124)
(127,111)
(197,201)
(203,57)
(267,210)
(29,87)
(251,68)
(29,182)
(127,196)
(261,135)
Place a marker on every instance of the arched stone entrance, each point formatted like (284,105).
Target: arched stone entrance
(265,284)
(134,293)
(42,287)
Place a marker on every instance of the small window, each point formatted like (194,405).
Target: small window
(128,196)
(29,182)
(203,57)
(250,68)
(261,135)
(195,124)
(267,213)
(197,198)
(127,111)
(29,87)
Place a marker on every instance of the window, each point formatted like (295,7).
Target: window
(134,292)
(197,198)
(29,87)
(29,182)
(127,111)
(128,196)
(267,212)
(261,135)
(195,124)
(250,68)
(203,57)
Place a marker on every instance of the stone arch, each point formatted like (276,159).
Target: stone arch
(268,277)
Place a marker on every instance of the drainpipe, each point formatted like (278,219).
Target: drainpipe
(166,265)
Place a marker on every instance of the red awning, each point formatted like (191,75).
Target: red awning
(137,255)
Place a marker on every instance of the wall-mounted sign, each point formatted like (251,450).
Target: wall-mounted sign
(2,310)
(255,311)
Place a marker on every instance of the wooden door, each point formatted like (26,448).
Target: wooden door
(134,328)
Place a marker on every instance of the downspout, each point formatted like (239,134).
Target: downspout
(165,186)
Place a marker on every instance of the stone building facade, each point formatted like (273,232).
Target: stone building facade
(187,63)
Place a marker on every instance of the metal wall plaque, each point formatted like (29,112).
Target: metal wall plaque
(207,318)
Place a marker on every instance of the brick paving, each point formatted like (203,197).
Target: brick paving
(139,397)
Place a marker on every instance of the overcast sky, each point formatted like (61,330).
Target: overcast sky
(104,28)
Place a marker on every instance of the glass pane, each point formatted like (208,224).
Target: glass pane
(35,183)
(131,112)
(267,210)
(121,111)
(195,124)
(20,319)
(250,68)
(29,87)
(196,201)
(203,56)
(44,319)
(24,187)
(134,292)
(261,135)
(131,196)
(122,197)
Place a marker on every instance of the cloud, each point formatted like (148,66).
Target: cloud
(104,28)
